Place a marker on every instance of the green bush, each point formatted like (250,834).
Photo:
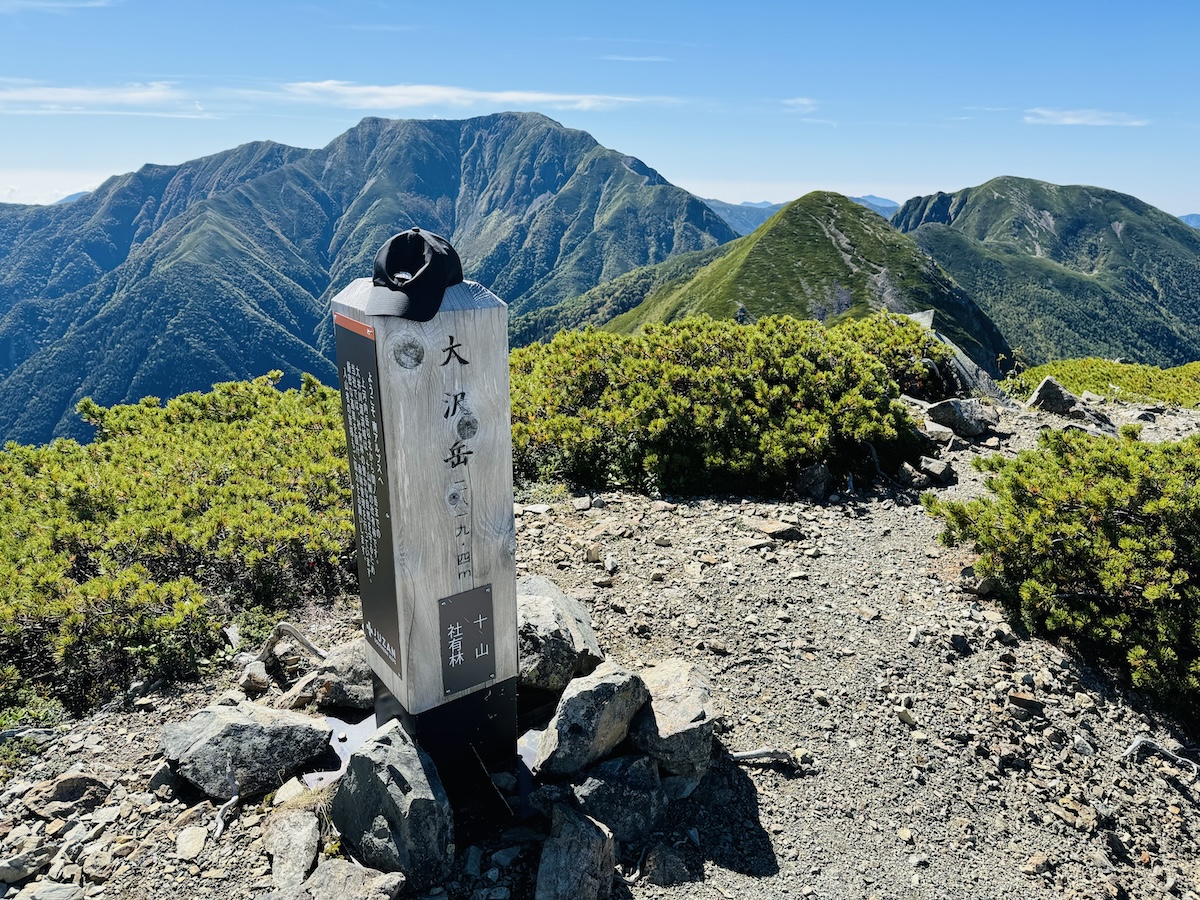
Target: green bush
(1097,540)
(700,404)
(1119,381)
(905,349)
(122,556)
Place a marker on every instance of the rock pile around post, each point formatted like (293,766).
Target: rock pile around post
(621,746)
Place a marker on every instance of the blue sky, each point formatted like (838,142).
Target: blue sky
(738,101)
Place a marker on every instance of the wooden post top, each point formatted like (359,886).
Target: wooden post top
(362,298)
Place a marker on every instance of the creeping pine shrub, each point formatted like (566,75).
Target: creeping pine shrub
(698,404)
(120,556)
(913,357)
(1097,540)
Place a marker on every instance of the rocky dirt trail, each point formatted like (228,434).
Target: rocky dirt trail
(933,751)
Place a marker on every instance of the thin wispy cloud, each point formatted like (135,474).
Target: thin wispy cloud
(13,6)
(405,96)
(802,105)
(160,99)
(1043,116)
(638,59)
(121,95)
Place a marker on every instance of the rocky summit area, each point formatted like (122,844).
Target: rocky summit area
(871,724)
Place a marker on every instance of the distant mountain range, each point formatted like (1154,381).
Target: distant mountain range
(171,278)
(745,217)
(1192,219)
(174,277)
(1068,271)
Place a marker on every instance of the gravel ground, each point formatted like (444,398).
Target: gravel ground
(943,754)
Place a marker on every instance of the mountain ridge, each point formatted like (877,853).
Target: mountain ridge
(1067,270)
(171,278)
(822,256)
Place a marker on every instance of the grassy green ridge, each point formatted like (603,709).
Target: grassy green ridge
(123,556)
(1117,380)
(825,257)
(1068,271)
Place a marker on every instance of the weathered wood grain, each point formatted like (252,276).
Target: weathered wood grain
(448,443)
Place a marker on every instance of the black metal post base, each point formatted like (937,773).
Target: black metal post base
(468,739)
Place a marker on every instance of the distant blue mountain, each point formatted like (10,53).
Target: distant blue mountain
(883,206)
(71,198)
(1192,219)
(744,217)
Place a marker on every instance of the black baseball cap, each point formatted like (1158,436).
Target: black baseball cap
(419,265)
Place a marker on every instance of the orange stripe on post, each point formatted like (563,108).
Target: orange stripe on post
(354,325)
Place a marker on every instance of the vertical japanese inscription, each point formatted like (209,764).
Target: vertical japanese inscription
(457,412)
(468,631)
(362,417)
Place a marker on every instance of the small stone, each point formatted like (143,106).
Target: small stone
(73,792)
(581,504)
(190,842)
(1036,864)
(23,865)
(904,714)
(289,790)
(938,470)
(905,834)
(773,529)
(1027,701)
(504,858)
(666,866)
(254,678)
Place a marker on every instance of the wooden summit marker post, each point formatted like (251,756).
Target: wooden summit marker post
(423,360)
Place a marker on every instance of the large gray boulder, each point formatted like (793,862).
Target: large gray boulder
(245,749)
(966,418)
(391,809)
(555,635)
(625,794)
(1052,397)
(578,859)
(592,717)
(676,726)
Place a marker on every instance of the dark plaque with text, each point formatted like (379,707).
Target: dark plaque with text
(362,416)
(468,633)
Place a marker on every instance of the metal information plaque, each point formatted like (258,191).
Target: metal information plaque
(362,416)
(468,639)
